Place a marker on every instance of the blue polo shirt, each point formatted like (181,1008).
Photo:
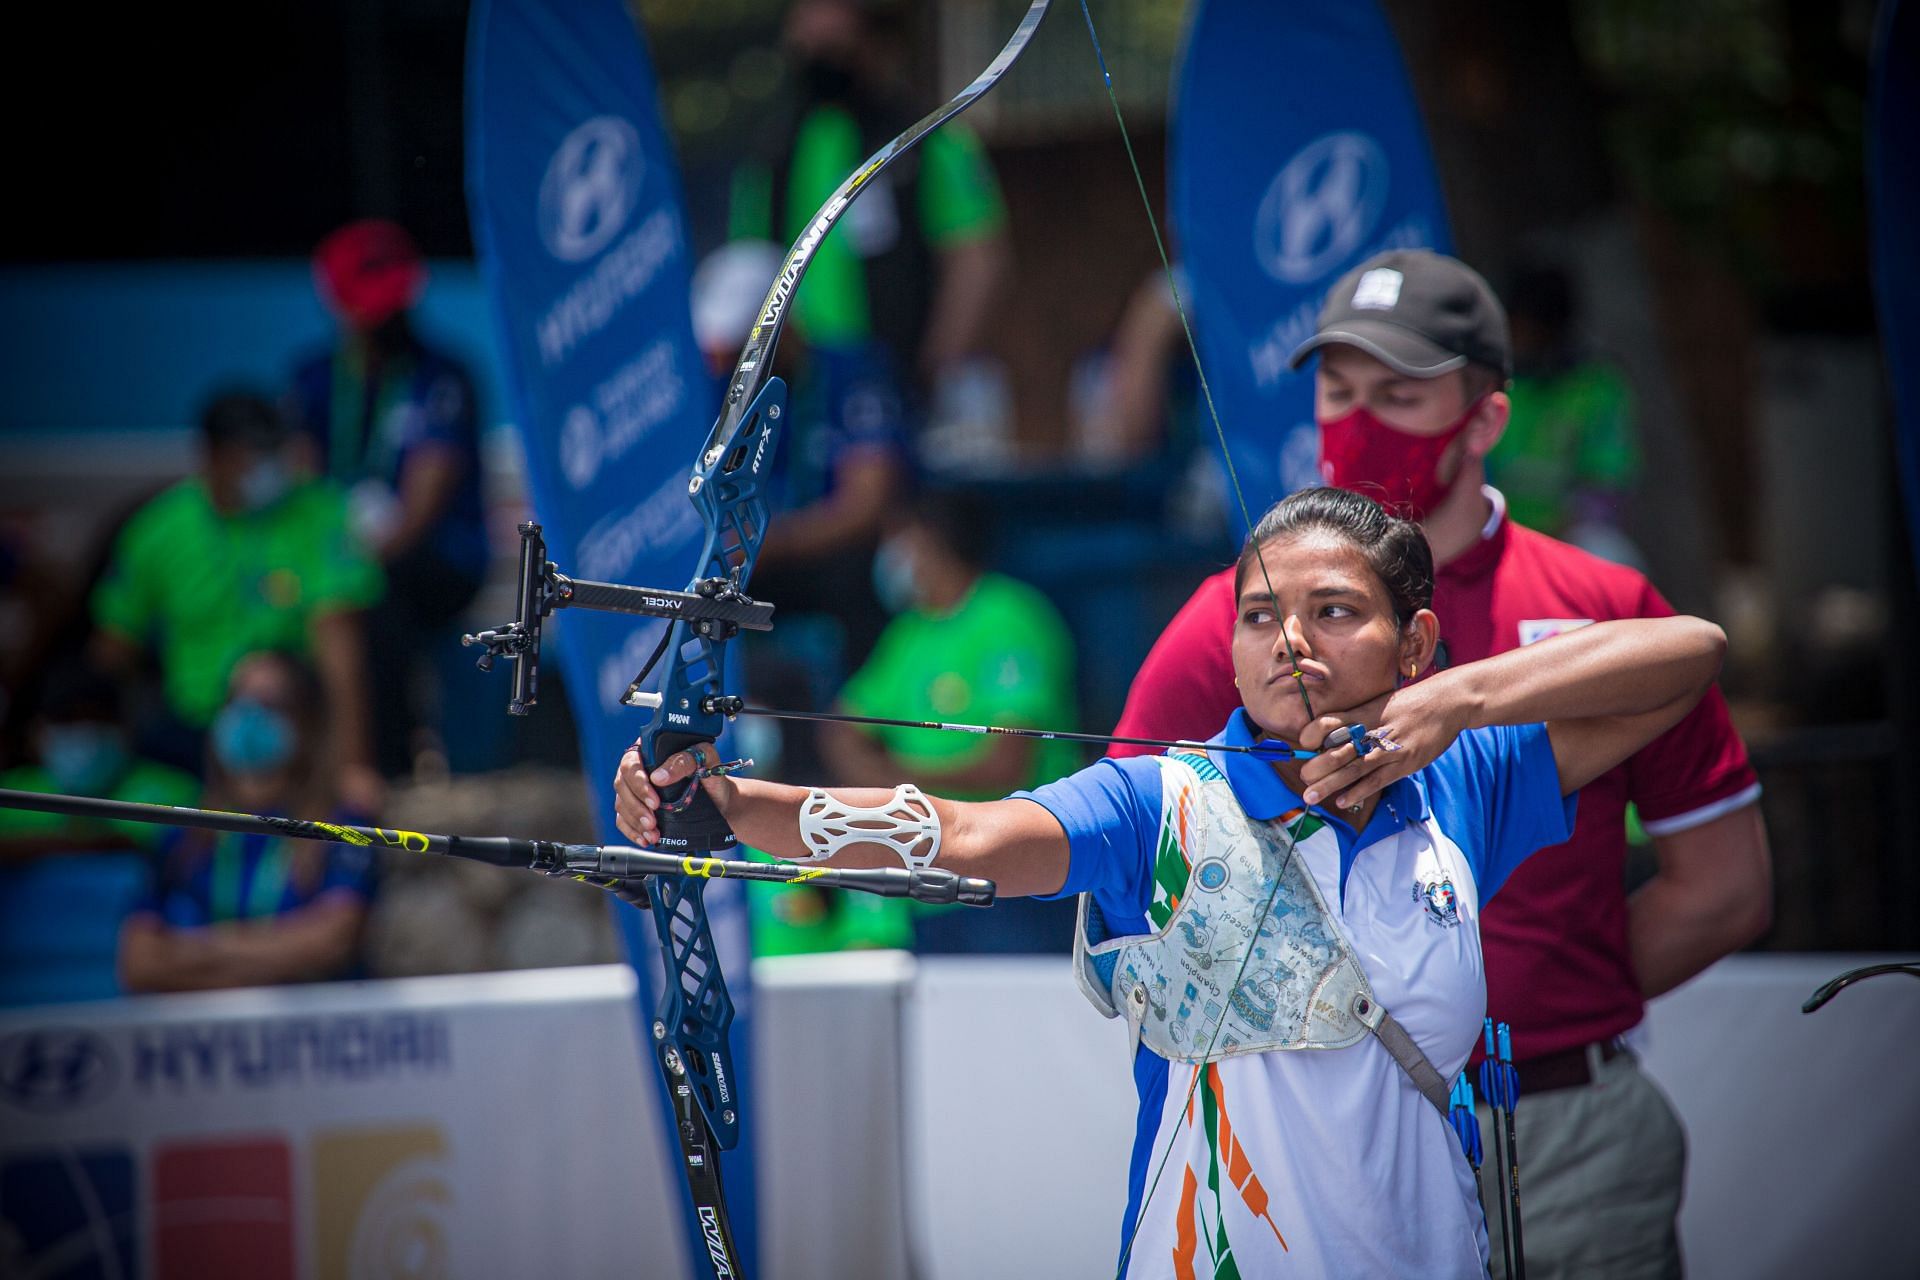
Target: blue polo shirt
(226,876)
(1336,1164)
(844,405)
(424,400)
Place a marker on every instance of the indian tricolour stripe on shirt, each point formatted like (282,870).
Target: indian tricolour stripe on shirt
(1240,1178)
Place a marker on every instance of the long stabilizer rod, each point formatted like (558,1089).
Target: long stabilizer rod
(590,862)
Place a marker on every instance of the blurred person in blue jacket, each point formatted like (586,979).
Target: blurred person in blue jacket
(394,421)
(231,910)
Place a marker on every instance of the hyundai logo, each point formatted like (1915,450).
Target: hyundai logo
(54,1070)
(1321,206)
(580,446)
(592,184)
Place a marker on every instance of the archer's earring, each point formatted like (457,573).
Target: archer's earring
(1413,671)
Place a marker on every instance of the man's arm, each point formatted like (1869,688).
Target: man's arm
(307,945)
(1712,895)
(428,482)
(964,219)
(337,639)
(1137,373)
(970,273)
(858,759)
(849,517)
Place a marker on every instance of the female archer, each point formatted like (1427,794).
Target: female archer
(1289,926)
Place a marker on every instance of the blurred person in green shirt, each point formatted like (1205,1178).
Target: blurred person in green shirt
(66,883)
(82,748)
(972,646)
(918,258)
(966,644)
(239,557)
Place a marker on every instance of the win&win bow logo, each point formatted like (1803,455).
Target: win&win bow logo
(1321,206)
(591,186)
(55,1069)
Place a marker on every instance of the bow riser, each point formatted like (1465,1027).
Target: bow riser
(696,1012)
(727,490)
(690,706)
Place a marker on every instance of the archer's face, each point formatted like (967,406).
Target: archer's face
(1337,614)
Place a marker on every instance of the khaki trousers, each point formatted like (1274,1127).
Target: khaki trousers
(1601,1168)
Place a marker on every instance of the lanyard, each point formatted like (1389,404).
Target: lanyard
(264,891)
(360,442)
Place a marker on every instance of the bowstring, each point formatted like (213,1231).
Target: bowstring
(1193,347)
(1246,517)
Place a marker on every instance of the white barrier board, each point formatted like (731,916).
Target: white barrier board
(1803,1130)
(428,1127)
(951,1118)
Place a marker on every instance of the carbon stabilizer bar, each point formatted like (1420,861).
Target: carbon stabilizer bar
(591,862)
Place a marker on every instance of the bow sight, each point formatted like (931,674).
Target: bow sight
(716,608)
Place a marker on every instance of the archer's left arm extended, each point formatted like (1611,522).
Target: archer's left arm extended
(1015,843)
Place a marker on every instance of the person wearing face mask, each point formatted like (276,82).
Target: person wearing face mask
(915,264)
(1413,361)
(394,420)
(1287,922)
(971,645)
(230,910)
(241,556)
(65,883)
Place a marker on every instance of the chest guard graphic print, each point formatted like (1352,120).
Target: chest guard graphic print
(1302,988)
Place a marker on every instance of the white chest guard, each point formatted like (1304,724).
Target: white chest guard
(1302,987)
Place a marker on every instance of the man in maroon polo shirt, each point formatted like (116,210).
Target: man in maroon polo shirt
(1409,396)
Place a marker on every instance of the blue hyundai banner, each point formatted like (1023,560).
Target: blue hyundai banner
(1296,152)
(1893,177)
(577,212)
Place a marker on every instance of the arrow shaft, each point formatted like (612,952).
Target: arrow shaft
(1264,750)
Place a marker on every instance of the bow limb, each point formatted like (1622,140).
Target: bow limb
(690,1034)
(756,359)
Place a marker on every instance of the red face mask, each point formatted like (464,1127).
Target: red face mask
(1396,468)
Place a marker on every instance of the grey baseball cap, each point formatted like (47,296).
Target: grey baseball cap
(1420,313)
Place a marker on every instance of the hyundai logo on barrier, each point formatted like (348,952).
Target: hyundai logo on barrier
(1321,206)
(592,184)
(54,1069)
